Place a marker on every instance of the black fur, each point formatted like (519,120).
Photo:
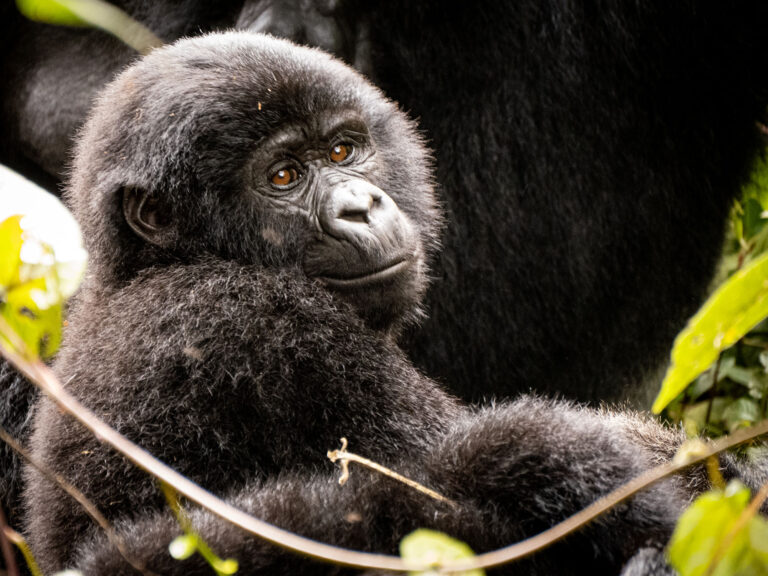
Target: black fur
(479,465)
(587,152)
(216,352)
(506,489)
(16,401)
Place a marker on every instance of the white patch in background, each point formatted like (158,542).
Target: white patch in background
(46,223)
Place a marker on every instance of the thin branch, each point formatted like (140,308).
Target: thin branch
(78,496)
(347,457)
(755,343)
(219,565)
(40,374)
(6,547)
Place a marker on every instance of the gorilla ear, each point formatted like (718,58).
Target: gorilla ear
(147,217)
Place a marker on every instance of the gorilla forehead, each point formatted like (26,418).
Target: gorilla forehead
(196,109)
(239,85)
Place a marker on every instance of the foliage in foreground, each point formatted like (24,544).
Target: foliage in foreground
(432,547)
(718,382)
(720,534)
(31,296)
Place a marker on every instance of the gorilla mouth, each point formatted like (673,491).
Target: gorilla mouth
(377,277)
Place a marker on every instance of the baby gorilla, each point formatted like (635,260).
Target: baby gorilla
(259,220)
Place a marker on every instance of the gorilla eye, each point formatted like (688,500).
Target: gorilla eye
(284,177)
(341,152)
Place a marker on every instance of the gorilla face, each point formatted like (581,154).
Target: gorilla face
(279,156)
(359,243)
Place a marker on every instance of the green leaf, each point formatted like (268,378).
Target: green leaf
(734,309)
(183,546)
(753,221)
(738,374)
(435,548)
(758,538)
(760,244)
(29,312)
(742,412)
(737,220)
(50,12)
(95,13)
(226,567)
(34,285)
(757,185)
(712,522)
(10,252)
(703,526)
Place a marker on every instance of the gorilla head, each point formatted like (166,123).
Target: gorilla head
(274,155)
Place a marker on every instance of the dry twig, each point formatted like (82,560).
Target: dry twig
(347,457)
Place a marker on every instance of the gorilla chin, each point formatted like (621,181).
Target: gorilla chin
(391,272)
(368,253)
(386,299)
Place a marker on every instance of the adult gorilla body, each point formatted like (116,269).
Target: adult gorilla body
(259,220)
(586,153)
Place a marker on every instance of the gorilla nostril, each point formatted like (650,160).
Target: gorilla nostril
(355,206)
(358,216)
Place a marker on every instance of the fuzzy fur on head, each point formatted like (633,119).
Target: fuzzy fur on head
(182,124)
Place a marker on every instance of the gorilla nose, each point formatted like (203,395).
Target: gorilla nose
(354,207)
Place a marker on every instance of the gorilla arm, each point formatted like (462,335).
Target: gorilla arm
(241,374)
(514,469)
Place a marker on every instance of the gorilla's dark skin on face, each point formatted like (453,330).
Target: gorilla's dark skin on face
(259,219)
